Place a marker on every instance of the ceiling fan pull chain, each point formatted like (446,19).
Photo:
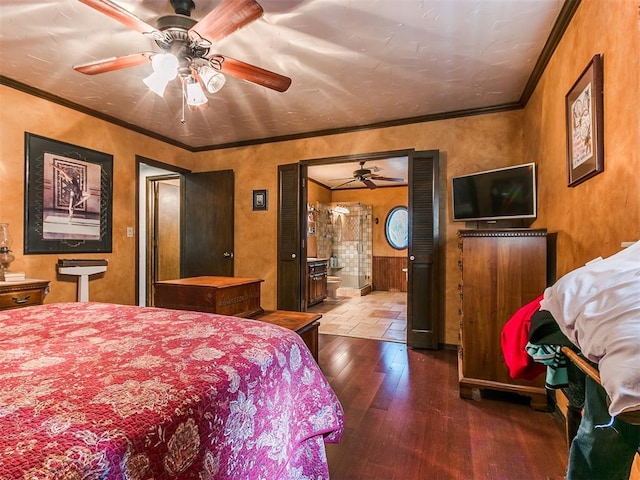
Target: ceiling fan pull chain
(184,95)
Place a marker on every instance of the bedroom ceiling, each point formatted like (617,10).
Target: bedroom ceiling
(353,63)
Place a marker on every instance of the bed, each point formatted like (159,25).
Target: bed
(597,307)
(102,391)
(587,331)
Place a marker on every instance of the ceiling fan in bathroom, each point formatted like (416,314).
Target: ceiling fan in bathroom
(367,176)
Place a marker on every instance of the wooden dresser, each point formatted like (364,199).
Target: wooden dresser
(502,270)
(23,293)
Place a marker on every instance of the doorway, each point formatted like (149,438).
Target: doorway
(158,226)
(423,275)
(163,230)
(191,215)
(371,298)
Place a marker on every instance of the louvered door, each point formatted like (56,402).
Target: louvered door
(423,285)
(290,248)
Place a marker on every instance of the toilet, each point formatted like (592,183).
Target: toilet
(333,283)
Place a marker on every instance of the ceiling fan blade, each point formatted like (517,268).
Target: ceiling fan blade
(386,179)
(120,14)
(345,183)
(254,74)
(226,18)
(368,183)
(113,63)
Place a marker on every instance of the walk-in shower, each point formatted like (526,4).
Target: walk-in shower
(345,237)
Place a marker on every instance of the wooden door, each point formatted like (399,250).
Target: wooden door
(291,248)
(423,288)
(167,238)
(207,224)
(162,258)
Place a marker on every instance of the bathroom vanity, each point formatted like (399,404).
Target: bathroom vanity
(316,280)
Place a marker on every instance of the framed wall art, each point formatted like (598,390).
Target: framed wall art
(67,198)
(585,130)
(260,200)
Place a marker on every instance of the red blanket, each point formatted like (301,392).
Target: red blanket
(97,391)
(514,338)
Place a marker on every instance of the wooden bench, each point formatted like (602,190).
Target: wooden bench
(304,324)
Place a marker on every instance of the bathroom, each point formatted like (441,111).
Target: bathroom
(342,233)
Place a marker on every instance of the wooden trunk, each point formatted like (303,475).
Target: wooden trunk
(239,297)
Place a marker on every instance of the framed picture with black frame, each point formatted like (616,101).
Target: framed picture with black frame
(260,200)
(585,129)
(68,198)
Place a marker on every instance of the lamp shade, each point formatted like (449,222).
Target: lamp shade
(212,79)
(165,69)
(157,83)
(195,96)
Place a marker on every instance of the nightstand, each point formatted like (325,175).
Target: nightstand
(23,293)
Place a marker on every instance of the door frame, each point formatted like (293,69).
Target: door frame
(409,154)
(151,259)
(304,181)
(141,244)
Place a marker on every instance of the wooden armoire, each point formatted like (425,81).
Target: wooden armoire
(501,271)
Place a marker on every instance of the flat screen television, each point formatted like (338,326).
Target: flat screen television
(500,194)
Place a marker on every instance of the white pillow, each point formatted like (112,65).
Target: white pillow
(598,308)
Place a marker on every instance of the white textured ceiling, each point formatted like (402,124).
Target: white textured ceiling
(352,62)
(340,176)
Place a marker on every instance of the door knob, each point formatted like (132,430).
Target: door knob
(293,255)
(228,254)
(412,258)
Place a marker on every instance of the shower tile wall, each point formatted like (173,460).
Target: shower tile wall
(324,231)
(350,237)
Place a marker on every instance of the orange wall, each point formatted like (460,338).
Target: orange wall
(466,145)
(591,219)
(22,113)
(594,217)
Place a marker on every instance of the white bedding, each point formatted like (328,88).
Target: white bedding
(598,308)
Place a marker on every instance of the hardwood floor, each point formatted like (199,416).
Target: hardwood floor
(405,420)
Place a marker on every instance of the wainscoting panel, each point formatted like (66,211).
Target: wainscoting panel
(388,275)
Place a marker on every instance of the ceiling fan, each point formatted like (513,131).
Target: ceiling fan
(366,176)
(186,49)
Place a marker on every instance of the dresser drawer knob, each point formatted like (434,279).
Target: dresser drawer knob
(21,300)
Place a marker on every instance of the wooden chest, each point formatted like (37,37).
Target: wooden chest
(239,297)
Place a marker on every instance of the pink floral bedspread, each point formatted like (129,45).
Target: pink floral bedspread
(99,391)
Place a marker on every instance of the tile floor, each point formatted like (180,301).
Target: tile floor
(378,315)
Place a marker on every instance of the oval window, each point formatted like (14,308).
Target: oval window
(396,228)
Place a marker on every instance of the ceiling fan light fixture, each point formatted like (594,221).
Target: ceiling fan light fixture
(165,69)
(166,64)
(195,96)
(157,83)
(212,79)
